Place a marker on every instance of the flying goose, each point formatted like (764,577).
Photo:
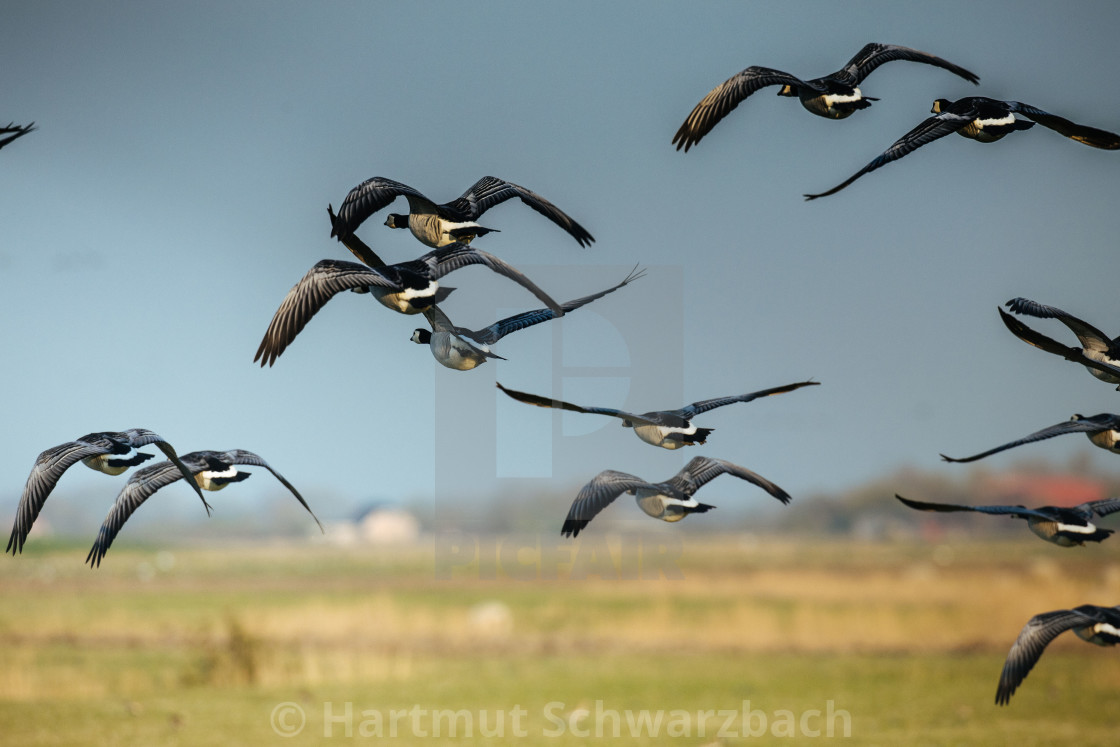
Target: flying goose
(983,120)
(111,452)
(209,470)
(14,131)
(1061,525)
(356,246)
(669,429)
(1099,354)
(439,225)
(669,501)
(835,96)
(463,349)
(1099,625)
(1103,430)
(407,287)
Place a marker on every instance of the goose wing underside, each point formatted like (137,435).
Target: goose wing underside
(1087,135)
(366,199)
(1021,512)
(49,467)
(723,99)
(539,401)
(873,55)
(597,495)
(1091,337)
(690,411)
(701,470)
(141,486)
(241,456)
(1083,425)
(933,128)
(490,191)
(498,330)
(1028,647)
(322,282)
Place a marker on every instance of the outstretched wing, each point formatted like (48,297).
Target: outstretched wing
(1091,337)
(722,99)
(327,278)
(701,470)
(690,411)
(597,495)
(49,468)
(14,131)
(141,485)
(1103,507)
(241,456)
(873,55)
(534,399)
(452,257)
(1083,425)
(1082,134)
(143,437)
(1028,647)
(490,191)
(1021,512)
(937,126)
(498,330)
(1041,341)
(366,199)
(356,246)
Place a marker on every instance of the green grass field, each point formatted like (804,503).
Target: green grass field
(754,642)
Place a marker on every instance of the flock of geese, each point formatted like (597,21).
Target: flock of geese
(448,229)
(984,120)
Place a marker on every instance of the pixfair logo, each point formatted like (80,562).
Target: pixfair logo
(626,556)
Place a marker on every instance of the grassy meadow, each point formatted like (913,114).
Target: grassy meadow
(753,641)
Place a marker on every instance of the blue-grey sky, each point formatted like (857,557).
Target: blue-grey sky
(177,188)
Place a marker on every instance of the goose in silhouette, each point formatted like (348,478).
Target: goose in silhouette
(1061,525)
(1099,625)
(14,131)
(111,452)
(439,225)
(209,470)
(463,349)
(408,287)
(669,429)
(1103,430)
(834,96)
(669,501)
(1099,354)
(983,120)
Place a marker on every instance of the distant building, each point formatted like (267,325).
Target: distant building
(1028,489)
(376,524)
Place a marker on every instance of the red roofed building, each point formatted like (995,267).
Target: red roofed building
(1039,489)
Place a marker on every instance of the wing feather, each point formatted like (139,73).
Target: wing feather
(933,128)
(321,283)
(366,199)
(723,99)
(597,495)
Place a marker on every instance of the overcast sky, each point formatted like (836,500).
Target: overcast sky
(177,185)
